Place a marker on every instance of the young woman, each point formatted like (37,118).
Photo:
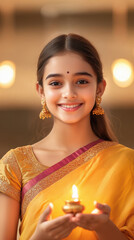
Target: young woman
(36,180)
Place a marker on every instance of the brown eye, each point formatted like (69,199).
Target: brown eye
(55,83)
(82,81)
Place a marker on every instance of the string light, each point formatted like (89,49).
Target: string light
(122,71)
(7,74)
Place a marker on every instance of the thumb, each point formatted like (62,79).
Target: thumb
(102,208)
(46,214)
(97,210)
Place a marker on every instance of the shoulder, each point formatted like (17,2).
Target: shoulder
(117,149)
(119,156)
(126,156)
(14,154)
(123,151)
(11,174)
(15,158)
(22,153)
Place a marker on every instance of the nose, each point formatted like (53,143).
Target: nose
(69,92)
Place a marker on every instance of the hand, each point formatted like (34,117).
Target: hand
(98,217)
(57,228)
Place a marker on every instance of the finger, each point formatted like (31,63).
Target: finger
(89,221)
(55,223)
(102,207)
(45,215)
(66,231)
(84,220)
(85,217)
(96,210)
(66,226)
(62,231)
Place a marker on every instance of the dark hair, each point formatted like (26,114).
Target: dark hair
(81,46)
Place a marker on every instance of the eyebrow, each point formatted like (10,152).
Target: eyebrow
(61,75)
(54,75)
(83,73)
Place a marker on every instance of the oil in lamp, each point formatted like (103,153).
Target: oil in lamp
(73,206)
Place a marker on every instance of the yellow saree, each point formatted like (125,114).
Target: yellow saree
(102,171)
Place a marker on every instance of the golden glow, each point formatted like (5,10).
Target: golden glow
(122,71)
(75,193)
(96,211)
(7,74)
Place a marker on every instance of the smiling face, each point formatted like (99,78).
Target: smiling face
(69,86)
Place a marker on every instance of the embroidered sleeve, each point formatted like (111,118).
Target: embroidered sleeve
(10,176)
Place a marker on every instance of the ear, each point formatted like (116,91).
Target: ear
(101,88)
(39,89)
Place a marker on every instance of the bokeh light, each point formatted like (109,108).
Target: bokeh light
(122,71)
(7,74)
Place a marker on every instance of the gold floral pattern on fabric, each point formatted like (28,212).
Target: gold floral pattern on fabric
(60,173)
(10,176)
(29,166)
(9,190)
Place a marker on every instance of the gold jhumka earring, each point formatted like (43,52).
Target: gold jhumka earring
(98,109)
(44,112)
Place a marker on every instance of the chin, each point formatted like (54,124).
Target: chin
(73,119)
(70,121)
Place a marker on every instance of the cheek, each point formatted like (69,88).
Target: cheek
(90,95)
(50,96)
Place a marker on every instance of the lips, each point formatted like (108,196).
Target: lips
(70,107)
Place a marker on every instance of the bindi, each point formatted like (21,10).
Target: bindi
(67,72)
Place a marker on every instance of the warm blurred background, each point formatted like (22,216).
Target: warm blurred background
(25,26)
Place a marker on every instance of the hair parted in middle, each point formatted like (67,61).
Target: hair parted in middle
(73,43)
(80,45)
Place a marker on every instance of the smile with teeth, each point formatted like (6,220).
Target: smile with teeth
(69,107)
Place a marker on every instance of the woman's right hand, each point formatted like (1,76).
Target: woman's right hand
(57,228)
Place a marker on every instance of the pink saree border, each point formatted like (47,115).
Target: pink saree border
(57,166)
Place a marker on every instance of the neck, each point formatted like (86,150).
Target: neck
(71,136)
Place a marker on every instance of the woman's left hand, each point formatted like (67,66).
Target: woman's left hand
(98,217)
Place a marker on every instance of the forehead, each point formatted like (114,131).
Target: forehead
(67,61)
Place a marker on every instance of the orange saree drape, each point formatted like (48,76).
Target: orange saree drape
(102,171)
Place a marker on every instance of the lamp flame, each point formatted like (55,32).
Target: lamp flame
(75,193)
